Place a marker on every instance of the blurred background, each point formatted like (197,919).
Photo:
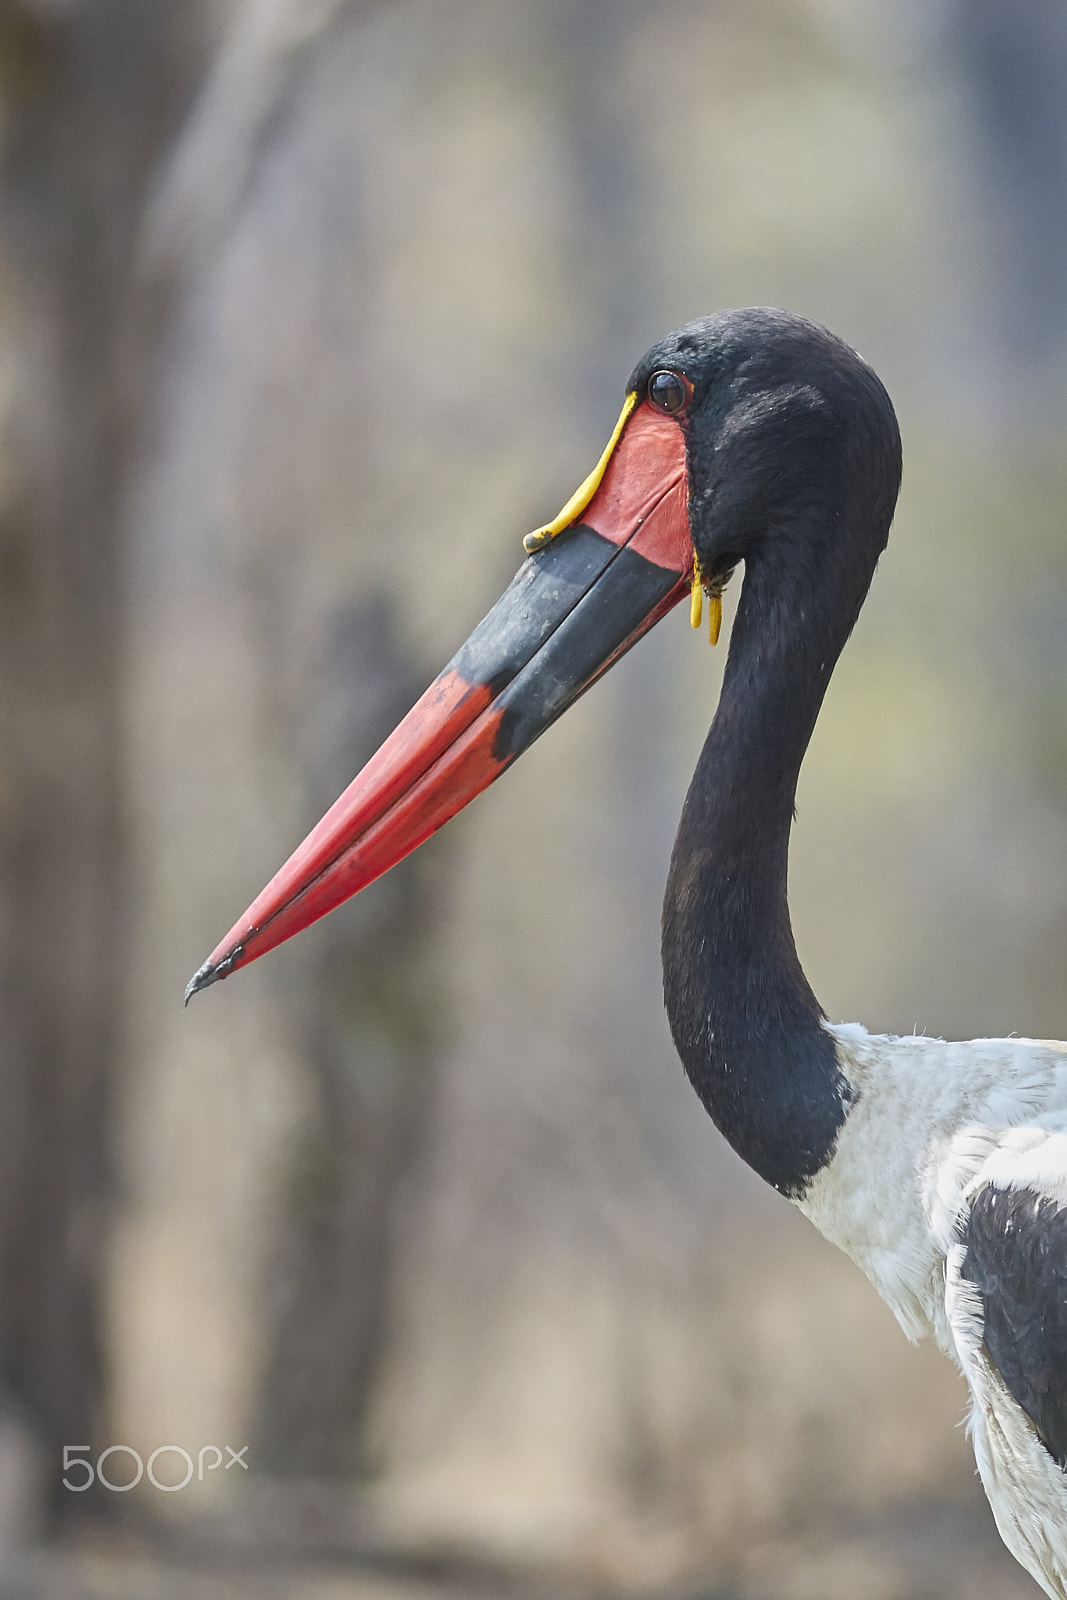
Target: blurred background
(309,310)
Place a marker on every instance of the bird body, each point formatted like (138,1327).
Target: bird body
(758,438)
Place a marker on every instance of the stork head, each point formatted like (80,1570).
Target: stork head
(733,431)
(790,439)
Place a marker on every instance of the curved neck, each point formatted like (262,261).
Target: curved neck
(745,1021)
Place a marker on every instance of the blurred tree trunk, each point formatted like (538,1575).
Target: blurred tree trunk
(97,93)
(221,517)
(368,1036)
(1014,58)
(91,92)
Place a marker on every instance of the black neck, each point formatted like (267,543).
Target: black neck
(745,1021)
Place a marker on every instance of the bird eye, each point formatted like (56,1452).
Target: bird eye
(670,391)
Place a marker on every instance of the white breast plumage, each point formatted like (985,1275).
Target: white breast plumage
(937,1130)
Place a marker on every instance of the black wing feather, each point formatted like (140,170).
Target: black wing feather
(1016,1257)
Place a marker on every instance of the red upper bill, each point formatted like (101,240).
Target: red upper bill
(572,610)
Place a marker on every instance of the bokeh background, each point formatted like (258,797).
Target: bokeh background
(309,309)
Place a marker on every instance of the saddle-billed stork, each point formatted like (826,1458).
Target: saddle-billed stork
(941,1169)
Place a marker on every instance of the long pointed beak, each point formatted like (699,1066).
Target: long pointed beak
(573,608)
